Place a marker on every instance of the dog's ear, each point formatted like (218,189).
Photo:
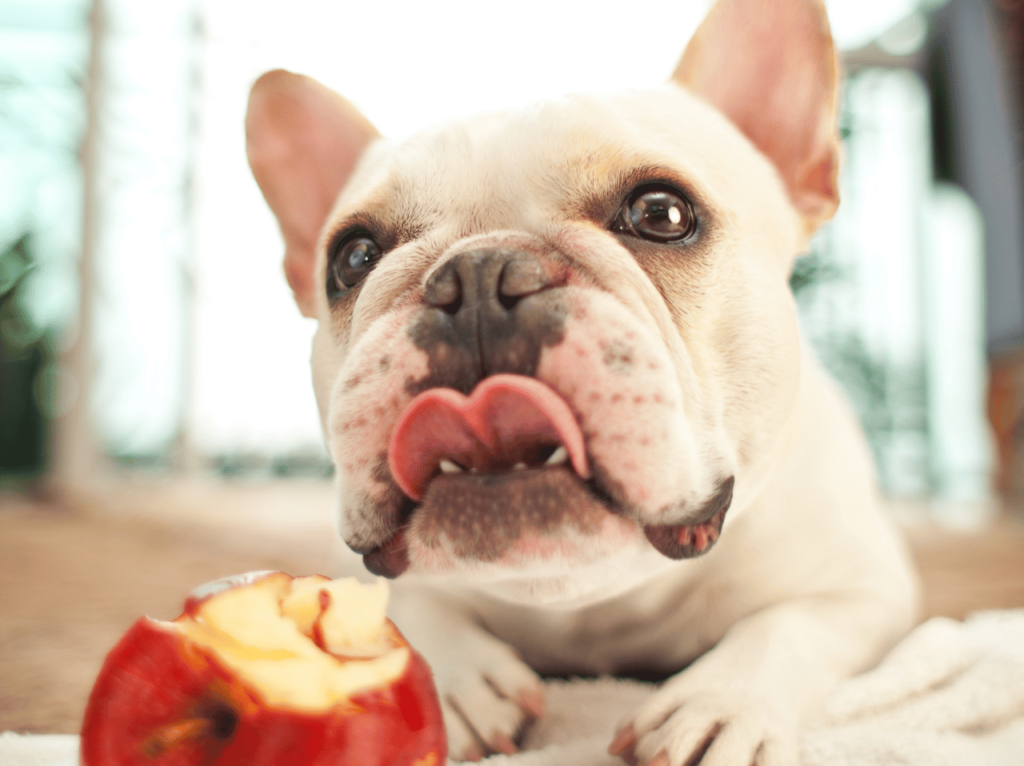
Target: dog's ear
(771,67)
(303,140)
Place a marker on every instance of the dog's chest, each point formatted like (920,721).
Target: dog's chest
(670,620)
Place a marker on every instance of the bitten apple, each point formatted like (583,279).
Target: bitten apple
(266,669)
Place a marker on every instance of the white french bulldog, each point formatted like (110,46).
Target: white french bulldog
(560,374)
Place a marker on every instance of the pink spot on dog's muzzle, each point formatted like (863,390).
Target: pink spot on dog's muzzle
(503,422)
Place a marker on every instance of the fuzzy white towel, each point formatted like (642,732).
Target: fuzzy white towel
(38,749)
(950,694)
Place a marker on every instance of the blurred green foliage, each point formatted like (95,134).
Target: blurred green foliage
(26,356)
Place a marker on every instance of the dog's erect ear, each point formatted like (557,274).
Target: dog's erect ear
(771,67)
(303,140)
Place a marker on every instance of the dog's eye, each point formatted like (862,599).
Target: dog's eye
(350,261)
(657,213)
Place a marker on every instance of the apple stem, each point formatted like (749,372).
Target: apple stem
(173,734)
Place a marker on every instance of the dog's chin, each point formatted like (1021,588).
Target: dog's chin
(535,522)
(507,518)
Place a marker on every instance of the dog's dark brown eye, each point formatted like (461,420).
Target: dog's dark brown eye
(350,261)
(657,213)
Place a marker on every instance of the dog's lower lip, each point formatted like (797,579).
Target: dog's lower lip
(390,558)
(524,472)
(684,541)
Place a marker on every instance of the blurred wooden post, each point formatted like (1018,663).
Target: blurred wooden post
(77,458)
(184,457)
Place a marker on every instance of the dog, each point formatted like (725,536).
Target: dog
(560,374)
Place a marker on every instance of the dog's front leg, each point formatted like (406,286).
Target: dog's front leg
(742,702)
(487,693)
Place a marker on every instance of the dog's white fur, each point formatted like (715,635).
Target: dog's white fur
(809,582)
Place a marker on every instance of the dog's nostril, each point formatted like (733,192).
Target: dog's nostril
(444,290)
(520,277)
(452,307)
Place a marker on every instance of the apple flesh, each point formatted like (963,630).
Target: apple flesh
(266,669)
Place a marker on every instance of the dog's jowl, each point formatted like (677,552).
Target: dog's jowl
(560,375)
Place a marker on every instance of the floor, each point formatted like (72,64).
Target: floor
(71,582)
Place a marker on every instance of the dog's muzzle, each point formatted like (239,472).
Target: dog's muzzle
(488,455)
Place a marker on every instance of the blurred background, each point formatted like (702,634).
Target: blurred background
(148,339)
(145,322)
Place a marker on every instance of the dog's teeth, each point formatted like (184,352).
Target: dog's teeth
(560,455)
(447,466)
(474,470)
(519,467)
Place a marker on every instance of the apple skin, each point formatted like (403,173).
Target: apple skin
(155,680)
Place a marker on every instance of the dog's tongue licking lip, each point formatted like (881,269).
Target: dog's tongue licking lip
(503,422)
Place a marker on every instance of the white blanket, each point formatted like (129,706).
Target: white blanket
(952,693)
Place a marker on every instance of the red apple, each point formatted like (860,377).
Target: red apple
(266,669)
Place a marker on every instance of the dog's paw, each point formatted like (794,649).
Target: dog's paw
(709,726)
(488,698)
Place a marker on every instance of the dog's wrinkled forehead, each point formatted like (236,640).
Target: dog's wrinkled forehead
(569,159)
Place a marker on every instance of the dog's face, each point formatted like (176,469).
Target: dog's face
(507,246)
(549,339)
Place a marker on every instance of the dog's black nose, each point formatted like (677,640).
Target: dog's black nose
(485,280)
(489,311)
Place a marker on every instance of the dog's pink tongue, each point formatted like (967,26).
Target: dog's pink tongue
(508,419)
